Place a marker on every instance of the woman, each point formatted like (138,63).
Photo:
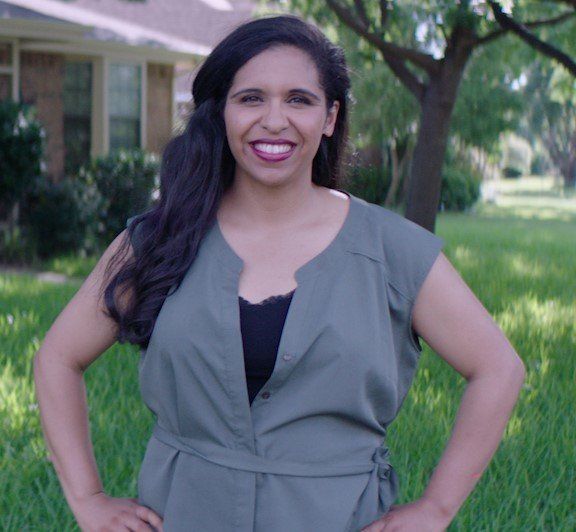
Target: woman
(278,318)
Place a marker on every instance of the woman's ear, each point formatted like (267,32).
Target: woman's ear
(330,122)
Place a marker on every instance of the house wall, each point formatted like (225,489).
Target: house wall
(42,83)
(5,86)
(159,106)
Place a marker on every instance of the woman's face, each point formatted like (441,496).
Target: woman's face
(275,115)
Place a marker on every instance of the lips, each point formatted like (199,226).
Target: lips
(272,157)
(272,141)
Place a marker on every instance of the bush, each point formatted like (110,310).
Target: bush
(369,182)
(61,217)
(510,172)
(21,138)
(460,188)
(517,154)
(125,180)
(15,247)
(86,212)
(540,164)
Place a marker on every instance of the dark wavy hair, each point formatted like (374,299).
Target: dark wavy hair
(198,167)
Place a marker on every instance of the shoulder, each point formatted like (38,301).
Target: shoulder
(393,224)
(407,249)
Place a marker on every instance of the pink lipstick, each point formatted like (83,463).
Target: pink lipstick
(273,157)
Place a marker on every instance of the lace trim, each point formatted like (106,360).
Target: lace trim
(268,300)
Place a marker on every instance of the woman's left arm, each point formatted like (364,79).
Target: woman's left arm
(449,317)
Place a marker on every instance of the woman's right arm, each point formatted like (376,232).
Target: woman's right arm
(78,336)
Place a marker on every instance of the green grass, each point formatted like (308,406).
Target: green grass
(518,256)
(70,265)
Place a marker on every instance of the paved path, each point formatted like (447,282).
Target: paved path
(49,277)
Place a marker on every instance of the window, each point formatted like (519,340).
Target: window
(77,114)
(6,70)
(124,103)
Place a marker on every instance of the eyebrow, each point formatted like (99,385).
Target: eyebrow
(291,91)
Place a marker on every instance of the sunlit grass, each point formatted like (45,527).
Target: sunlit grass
(519,257)
(519,263)
(70,265)
(541,198)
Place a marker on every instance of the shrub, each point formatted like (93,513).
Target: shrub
(460,188)
(21,138)
(125,181)
(540,164)
(62,217)
(15,246)
(368,182)
(84,213)
(517,154)
(509,172)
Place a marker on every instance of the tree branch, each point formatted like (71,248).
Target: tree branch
(419,59)
(405,75)
(569,2)
(362,15)
(510,24)
(533,24)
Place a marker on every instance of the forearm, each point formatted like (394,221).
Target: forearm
(61,395)
(485,409)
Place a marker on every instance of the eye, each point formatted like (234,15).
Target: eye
(301,98)
(247,99)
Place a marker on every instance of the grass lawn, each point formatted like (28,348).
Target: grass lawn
(517,255)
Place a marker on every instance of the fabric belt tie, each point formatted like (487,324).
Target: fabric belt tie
(245,461)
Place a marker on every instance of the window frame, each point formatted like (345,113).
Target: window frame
(14,69)
(142,64)
(70,58)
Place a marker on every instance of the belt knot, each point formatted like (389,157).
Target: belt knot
(381,458)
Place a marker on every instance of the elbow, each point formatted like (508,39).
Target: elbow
(517,367)
(511,364)
(514,371)
(509,369)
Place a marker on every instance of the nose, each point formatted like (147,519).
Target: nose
(274,118)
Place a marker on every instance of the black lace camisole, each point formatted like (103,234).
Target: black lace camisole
(261,325)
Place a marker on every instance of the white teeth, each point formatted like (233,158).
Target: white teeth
(273,148)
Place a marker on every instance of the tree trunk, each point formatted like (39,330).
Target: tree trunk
(562,152)
(569,173)
(394,174)
(405,174)
(430,150)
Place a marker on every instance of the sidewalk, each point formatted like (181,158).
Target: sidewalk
(48,277)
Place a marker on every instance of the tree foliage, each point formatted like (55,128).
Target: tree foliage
(427,45)
(551,116)
(22,141)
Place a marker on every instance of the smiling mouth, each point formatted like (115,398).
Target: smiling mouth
(272,152)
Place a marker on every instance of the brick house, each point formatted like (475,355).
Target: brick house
(105,74)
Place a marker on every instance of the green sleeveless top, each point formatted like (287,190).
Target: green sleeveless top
(309,453)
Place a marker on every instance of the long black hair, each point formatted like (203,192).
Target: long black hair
(198,167)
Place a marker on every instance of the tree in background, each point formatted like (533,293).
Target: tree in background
(509,24)
(551,116)
(383,123)
(489,103)
(427,45)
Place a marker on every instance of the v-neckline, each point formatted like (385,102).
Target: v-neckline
(292,339)
(265,303)
(312,266)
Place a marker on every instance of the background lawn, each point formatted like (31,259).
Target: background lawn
(519,257)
